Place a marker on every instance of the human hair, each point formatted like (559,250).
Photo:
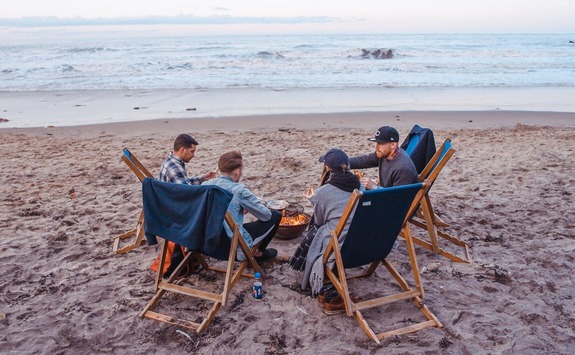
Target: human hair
(184,141)
(230,161)
(341,168)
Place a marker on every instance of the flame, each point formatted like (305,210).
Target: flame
(294,220)
(359,174)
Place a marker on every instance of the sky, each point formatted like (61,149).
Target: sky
(292,16)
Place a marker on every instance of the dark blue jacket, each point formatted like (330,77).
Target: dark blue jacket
(422,148)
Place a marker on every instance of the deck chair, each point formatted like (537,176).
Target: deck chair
(193,216)
(378,218)
(420,146)
(425,216)
(137,232)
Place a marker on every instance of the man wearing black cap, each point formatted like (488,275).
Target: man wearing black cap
(395,166)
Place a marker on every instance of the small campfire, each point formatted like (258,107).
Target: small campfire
(293,222)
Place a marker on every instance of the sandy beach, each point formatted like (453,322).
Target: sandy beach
(508,192)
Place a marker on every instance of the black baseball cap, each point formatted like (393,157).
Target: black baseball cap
(335,158)
(385,134)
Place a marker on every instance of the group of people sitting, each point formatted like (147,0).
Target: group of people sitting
(329,200)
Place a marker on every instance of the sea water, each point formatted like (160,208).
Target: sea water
(289,61)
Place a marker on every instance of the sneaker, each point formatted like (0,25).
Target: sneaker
(268,255)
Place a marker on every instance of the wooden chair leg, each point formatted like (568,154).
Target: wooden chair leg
(428,217)
(211,315)
(137,232)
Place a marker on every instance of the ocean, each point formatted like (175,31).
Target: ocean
(290,61)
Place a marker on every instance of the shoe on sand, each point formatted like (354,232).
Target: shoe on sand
(268,255)
(337,305)
(324,291)
(328,297)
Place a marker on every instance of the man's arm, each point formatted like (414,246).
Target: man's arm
(176,175)
(172,171)
(253,205)
(364,161)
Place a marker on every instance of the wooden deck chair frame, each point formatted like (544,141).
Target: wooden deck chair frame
(324,176)
(425,216)
(232,275)
(339,277)
(136,233)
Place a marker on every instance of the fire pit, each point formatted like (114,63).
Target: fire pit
(293,223)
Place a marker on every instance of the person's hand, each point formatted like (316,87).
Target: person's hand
(309,192)
(210,175)
(367,183)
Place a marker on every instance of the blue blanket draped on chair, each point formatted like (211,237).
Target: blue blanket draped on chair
(420,146)
(191,216)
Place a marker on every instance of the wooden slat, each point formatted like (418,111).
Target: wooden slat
(376,302)
(365,326)
(423,307)
(406,330)
(171,320)
(324,176)
(190,292)
(209,317)
(413,259)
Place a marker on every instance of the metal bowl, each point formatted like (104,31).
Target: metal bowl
(292,231)
(278,205)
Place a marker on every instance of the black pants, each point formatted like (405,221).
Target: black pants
(259,228)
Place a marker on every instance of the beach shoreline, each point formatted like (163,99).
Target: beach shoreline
(402,120)
(75,108)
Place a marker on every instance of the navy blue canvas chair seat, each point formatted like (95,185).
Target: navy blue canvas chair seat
(389,208)
(193,217)
(377,217)
(136,234)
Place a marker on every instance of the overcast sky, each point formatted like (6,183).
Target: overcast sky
(298,16)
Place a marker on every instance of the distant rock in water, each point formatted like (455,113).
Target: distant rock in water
(266,54)
(377,53)
(571,42)
(2,120)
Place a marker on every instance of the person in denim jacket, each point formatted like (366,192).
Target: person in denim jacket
(244,201)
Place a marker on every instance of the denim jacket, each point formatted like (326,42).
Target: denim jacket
(243,199)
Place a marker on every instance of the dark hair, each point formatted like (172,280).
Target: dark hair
(230,161)
(184,140)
